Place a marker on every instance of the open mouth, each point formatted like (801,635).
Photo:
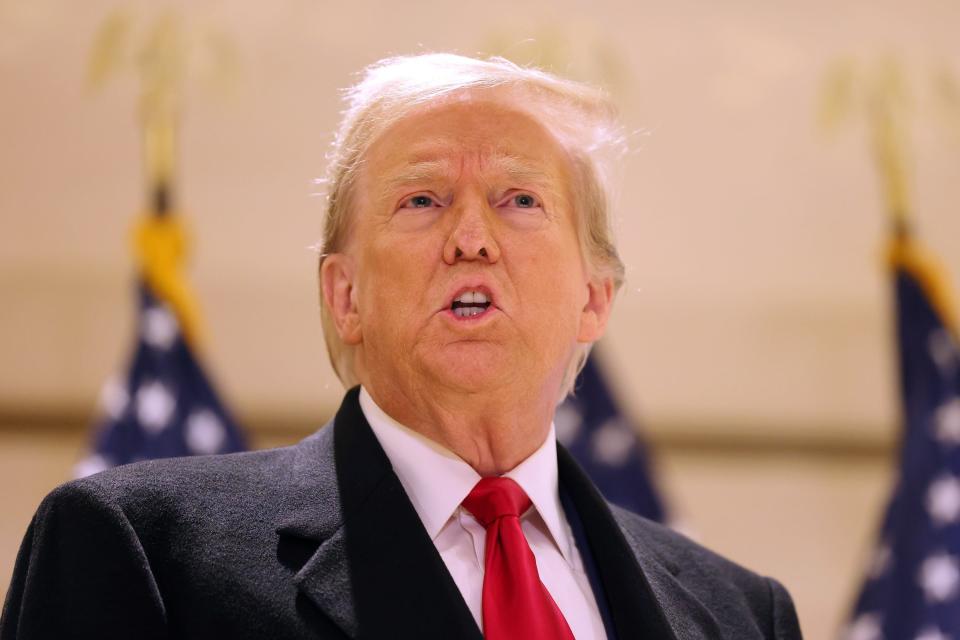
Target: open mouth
(470,303)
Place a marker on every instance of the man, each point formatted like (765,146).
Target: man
(467,267)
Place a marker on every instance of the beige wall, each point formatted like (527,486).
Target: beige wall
(755,292)
(752,338)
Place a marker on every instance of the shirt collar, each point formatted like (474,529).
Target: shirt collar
(437,480)
(537,476)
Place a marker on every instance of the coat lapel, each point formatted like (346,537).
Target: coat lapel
(375,573)
(360,553)
(644,597)
(311,535)
(687,617)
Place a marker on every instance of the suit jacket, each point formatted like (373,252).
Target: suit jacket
(319,540)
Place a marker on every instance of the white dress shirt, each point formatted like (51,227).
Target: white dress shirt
(437,481)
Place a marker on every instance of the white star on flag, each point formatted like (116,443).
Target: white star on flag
(205,432)
(159,327)
(114,398)
(943,499)
(882,558)
(931,633)
(612,442)
(154,406)
(567,421)
(948,421)
(865,627)
(939,575)
(90,465)
(943,351)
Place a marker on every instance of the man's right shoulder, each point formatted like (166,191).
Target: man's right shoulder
(133,551)
(200,482)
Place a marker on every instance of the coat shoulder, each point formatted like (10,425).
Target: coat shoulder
(715,580)
(167,488)
(180,547)
(677,552)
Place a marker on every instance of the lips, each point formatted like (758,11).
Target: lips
(470,301)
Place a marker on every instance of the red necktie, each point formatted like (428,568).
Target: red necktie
(515,602)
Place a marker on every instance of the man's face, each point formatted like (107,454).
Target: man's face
(464,263)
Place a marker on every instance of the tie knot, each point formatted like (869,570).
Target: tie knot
(494,498)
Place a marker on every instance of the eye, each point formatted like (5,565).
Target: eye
(522,200)
(525,201)
(420,201)
(522,210)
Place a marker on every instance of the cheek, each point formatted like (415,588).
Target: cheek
(394,282)
(552,283)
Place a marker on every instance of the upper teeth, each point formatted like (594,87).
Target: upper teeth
(472,297)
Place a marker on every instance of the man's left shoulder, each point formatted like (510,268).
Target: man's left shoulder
(681,555)
(714,580)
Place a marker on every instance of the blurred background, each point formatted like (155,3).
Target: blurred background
(753,343)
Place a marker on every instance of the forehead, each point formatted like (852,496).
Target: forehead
(494,135)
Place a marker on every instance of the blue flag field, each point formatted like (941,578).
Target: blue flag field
(912,587)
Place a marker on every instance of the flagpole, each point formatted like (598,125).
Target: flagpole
(165,404)
(910,586)
(160,239)
(886,106)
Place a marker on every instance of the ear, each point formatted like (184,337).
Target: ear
(337,285)
(596,311)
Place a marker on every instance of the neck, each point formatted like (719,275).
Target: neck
(492,432)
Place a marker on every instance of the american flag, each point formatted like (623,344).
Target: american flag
(912,587)
(164,405)
(607,445)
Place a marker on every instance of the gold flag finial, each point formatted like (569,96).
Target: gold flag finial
(162,67)
(161,59)
(888,106)
(164,55)
(882,95)
(879,94)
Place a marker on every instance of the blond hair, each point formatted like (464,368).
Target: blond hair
(581,117)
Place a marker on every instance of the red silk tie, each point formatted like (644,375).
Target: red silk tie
(515,602)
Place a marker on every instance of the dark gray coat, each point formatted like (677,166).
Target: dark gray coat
(319,540)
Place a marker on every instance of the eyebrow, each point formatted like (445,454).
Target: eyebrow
(523,170)
(529,172)
(515,168)
(417,171)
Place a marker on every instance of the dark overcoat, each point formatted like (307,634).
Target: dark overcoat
(319,540)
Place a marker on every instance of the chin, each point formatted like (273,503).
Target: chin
(471,369)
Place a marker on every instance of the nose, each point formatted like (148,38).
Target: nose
(471,237)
